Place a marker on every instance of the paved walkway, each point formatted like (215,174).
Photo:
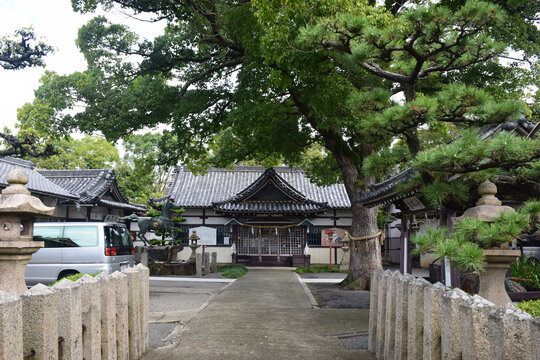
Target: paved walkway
(266,315)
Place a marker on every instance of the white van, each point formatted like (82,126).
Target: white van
(78,247)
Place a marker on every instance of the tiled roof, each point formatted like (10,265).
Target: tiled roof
(270,207)
(217,185)
(290,201)
(91,185)
(384,192)
(37,183)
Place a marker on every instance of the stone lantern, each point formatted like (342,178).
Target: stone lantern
(193,243)
(498,259)
(344,265)
(17,212)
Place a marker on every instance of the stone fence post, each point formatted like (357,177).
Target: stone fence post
(134,312)
(11,326)
(145,303)
(474,328)
(40,322)
(415,320)
(432,320)
(120,285)
(402,315)
(373,309)
(213,263)
(69,319)
(108,317)
(450,324)
(91,316)
(510,334)
(206,261)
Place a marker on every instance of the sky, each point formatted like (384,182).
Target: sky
(57,24)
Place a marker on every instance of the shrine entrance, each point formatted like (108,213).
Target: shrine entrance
(270,245)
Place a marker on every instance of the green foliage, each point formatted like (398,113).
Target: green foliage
(526,272)
(531,306)
(21,50)
(465,244)
(287,79)
(232,271)
(90,152)
(316,269)
(76,277)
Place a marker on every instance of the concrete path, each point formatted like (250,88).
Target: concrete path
(266,315)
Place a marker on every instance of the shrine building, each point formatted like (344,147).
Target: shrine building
(257,216)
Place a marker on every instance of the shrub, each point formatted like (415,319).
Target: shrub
(316,269)
(531,306)
(232,271)
(76,277)
(526,272)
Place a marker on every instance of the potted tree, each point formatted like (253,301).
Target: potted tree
(480,240)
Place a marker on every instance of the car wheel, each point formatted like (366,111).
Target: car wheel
(66,273)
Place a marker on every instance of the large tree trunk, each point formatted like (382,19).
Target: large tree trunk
(365,254)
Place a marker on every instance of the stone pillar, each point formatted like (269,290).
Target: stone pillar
(69,319)
(373,309)
(206,266)
(11,328)
(474,328)
(198,265)
(91,316)
(509,333)
(120,286)
(213,264)
(134,312)
(390,322)
(450,324)
(108,316)
(381,314)
(432,320)
(17,211)
(141,255)
(145,304)
(402,314)
(415,320)
(40,322)
(534,335)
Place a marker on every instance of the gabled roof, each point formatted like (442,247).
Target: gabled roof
(37,183)
(92,185)
(269,194)
(219,185)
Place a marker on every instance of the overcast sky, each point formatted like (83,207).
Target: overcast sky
(57,24)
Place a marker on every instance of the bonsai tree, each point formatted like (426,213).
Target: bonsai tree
(464,245)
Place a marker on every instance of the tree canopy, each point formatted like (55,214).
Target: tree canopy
(357,88)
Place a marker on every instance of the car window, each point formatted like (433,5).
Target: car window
(116,236)
(80,236)
(50,235)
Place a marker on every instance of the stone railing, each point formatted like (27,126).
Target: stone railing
(413,319)
(105,317)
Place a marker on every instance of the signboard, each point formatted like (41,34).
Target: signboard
(413,203)
(332,234)
(207,235)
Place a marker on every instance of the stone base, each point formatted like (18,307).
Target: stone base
(158,268)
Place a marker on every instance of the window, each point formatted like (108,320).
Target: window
(50,235)
(116,236)
(80,236)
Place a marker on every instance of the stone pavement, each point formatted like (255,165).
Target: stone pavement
(266,315)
